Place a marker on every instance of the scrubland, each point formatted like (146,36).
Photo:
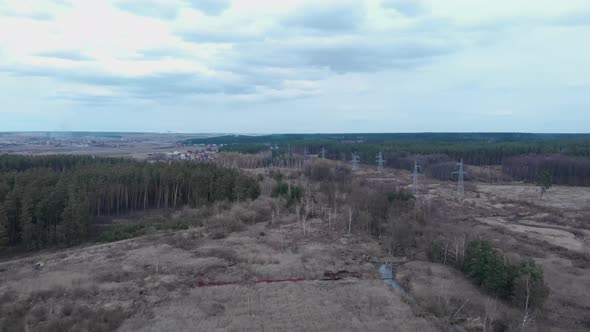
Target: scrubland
(305,255)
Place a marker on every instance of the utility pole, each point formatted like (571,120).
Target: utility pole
(380,162)
(461,174)
(355,161)
(305,152)
(417,169)
(323,153)
(290,157)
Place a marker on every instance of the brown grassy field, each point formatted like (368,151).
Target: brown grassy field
(201,279)
(152,284)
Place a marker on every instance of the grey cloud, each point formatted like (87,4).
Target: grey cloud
(327,19)
(372,57)
(215,37)
(161,53)
(156,86)
(38,16)
(350,57)
(149,8)
(253,86)
(507,23)
(65,55)
(405,7)
(175,84)
(87,100)
(578,19)
(210,7)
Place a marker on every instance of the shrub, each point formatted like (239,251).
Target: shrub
(223,224)
(122,232)
(529,278)
(494,273)
(400,196)
(292,194)
(277,175)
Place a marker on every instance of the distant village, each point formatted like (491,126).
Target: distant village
(202,152)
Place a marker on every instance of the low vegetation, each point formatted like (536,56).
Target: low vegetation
(317,200)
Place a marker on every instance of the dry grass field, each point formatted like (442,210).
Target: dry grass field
(554,231)
(152,284)
(269,276)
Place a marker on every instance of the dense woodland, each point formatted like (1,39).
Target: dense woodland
(523,156)
(475,153)
(565,170)
(52,200)
(474,148)
(380,138)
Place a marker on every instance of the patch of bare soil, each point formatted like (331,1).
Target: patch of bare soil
(561,197)
(556,230)
(556,237)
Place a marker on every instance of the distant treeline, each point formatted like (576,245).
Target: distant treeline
(567,170)
(475,149)
(53,200)
(245,148)
(522,156)
(283,139)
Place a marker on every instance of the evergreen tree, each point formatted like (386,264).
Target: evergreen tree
(52,200)
(478,255)
(544,181)
(3,228)
(75,221)
(529,286)
(26,224)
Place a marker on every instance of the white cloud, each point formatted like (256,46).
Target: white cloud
(416,55)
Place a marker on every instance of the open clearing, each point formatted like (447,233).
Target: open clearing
(572,198)
(154,281)
(271,277)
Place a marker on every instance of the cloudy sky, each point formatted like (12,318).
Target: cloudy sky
(254,66)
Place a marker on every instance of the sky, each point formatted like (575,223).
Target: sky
(298,66)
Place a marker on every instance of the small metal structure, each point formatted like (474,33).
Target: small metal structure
(461,178)
(416,173)
(323,153)
(380,162)
(355,161)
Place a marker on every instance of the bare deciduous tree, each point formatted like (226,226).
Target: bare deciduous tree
(527,315)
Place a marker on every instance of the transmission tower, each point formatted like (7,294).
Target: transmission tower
(323,153)
(290,162)
(355,161)
(415,175)
(380,162)
(461,175)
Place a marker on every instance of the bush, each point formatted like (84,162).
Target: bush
(494,273)
(223,224)
(122,232)
(400,196)
(292,194)
(529,275)
(277,175)
(326,170)
(263,208)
